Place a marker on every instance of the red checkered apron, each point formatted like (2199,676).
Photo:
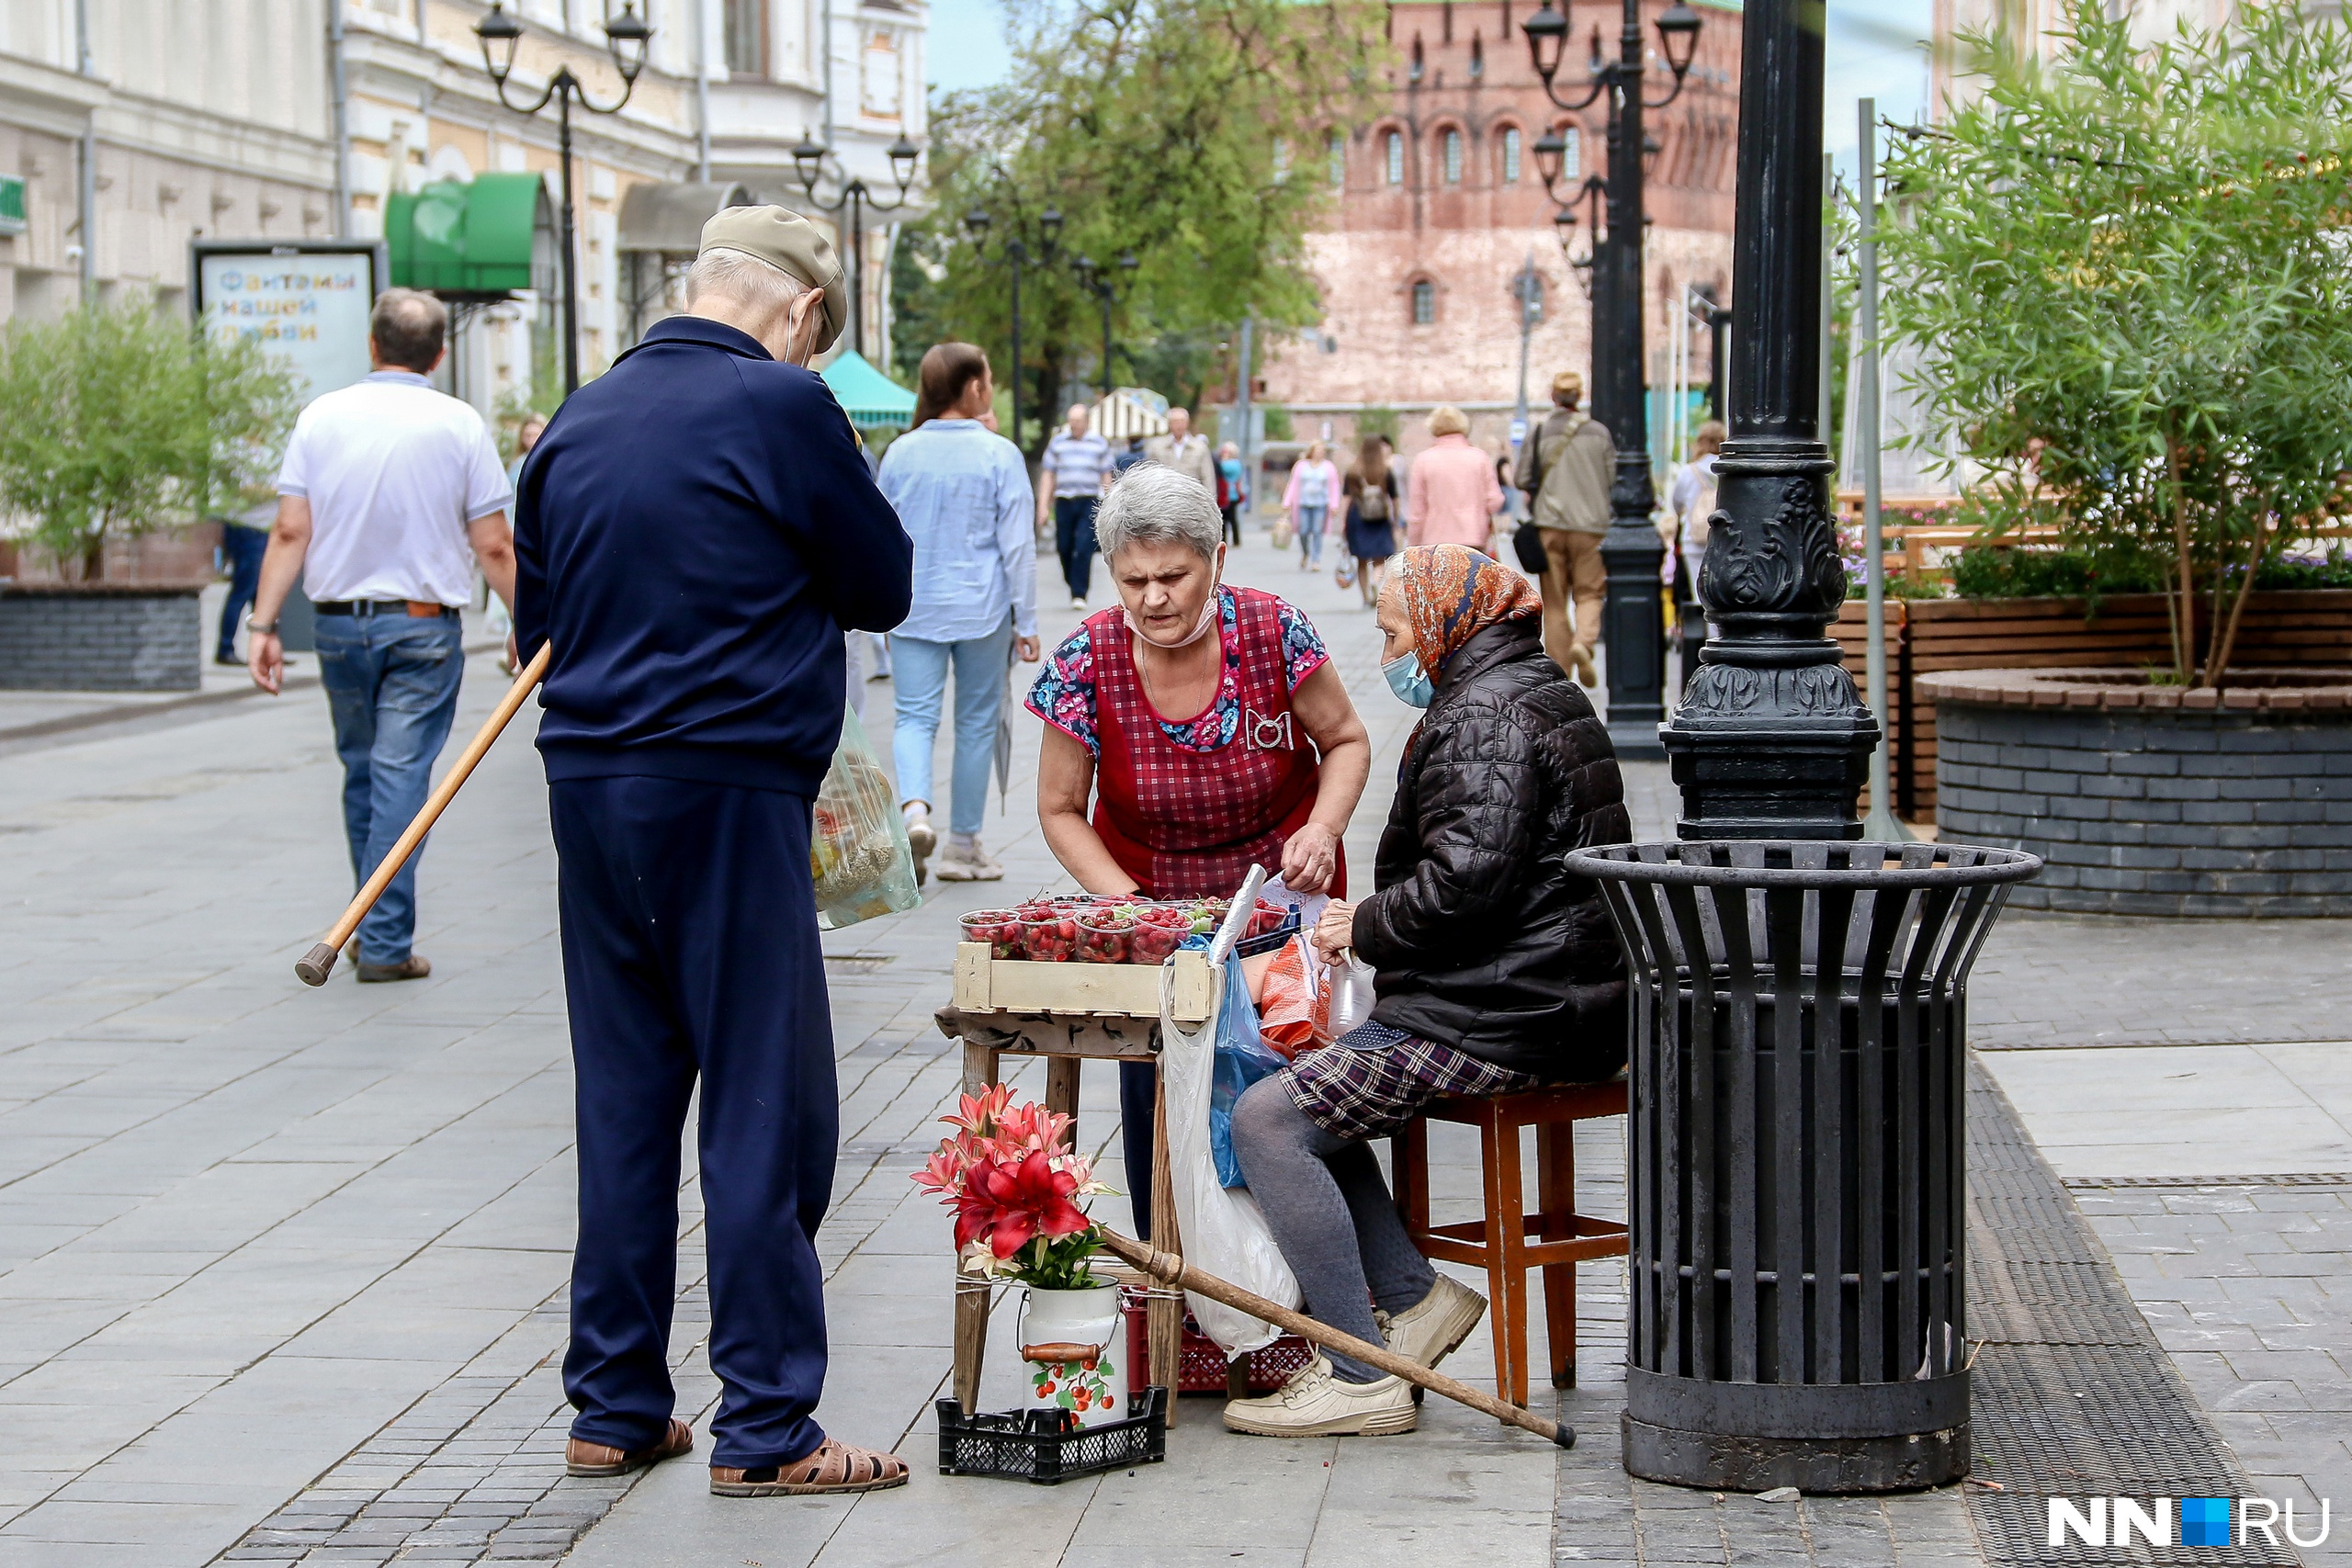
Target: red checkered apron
(1189,824)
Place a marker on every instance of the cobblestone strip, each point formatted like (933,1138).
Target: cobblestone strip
(471,1473)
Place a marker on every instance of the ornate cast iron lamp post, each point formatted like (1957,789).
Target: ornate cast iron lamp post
(1016,253)
(1096,280)
(627,37)
(809,163)
(1771,740)
(1631,552)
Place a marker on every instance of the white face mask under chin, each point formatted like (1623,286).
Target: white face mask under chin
(1200,628)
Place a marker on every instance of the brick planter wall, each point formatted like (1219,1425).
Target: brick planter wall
(100,638)
(2240,806)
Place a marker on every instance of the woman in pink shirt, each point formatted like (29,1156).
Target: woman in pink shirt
(1451,495)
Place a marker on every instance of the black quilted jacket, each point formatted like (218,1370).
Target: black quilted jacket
(1481,938)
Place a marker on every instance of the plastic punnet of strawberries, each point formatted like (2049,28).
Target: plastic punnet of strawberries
(1102,933)
(1160,929)
(1001,929)
(1049,935)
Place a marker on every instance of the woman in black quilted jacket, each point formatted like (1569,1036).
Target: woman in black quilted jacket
(1498,971)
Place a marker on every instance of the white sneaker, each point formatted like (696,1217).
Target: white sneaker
(1316,1404)
(1078,601)
(922,838)
(1433,1327)
(969,862)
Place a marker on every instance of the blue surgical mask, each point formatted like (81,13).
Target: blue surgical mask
(1407,678)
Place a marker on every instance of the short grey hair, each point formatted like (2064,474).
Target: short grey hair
(1152,503)
(759,286)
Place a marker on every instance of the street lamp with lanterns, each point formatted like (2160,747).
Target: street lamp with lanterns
(977,223)
(627,38)
(809,163)
(1097,280)
(1631,552)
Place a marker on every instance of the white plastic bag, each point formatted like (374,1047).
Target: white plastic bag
(1223,1232)
(858,855)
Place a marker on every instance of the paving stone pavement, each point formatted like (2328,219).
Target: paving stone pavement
(282,1272)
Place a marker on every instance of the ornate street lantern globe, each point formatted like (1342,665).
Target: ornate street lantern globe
(976,224)
(1084,267)
(809,161)
(627,38)
(1127,262)
(1547,38)
(1550,149)
(1564,225)
(499,34)
(1678,32)
(903,155)
(1049,224)
(1650,148)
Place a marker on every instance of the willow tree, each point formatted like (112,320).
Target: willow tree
(2127,269)
(1192,134)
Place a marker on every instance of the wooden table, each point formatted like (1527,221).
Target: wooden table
(1068,1013)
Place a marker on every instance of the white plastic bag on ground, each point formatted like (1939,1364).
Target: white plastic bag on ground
(1222,1231)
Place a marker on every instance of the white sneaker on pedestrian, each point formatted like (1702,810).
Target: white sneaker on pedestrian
(1316,1404)
(964,860)
(922,836)
(1078,601)
(1433,1327)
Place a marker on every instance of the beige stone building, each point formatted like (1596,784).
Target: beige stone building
(220,120)
(1439,204)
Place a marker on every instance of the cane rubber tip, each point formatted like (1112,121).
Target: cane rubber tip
(1565,1436)
(314,966)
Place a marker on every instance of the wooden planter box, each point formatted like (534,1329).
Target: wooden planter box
(1115,990)
(1924,637)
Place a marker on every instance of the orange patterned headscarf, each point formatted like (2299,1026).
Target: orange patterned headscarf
(1453,593)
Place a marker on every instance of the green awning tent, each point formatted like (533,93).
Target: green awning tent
(872,400)
(489,236)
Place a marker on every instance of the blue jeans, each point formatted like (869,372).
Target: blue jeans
(391,685)
(919,669)
(1310,533)
(1074,538)
(240,551)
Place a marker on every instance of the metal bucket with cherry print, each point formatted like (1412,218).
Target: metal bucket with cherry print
(1073,1353)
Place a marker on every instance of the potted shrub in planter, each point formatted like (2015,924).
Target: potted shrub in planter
(2120,269)
(116,423)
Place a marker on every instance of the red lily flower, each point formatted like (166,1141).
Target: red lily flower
(1012,1203)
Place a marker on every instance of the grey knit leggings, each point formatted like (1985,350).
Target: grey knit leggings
(1332,1217)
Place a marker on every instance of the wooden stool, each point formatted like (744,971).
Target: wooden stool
(1500,1243)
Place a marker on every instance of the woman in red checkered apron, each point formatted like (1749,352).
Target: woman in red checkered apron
(1262,763)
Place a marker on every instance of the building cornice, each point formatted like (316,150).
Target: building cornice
(43,97)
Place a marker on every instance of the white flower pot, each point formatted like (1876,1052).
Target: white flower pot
(1073,1349)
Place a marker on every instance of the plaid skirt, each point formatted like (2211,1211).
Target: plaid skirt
(1374,1079)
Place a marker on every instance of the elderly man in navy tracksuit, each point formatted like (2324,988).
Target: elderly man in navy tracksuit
(694,532)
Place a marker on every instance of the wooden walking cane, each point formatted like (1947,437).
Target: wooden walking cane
(315,965)
(1175,1272)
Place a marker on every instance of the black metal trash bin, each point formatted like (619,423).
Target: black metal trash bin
(1797,1261)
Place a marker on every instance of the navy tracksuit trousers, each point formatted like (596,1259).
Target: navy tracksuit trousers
(690,950)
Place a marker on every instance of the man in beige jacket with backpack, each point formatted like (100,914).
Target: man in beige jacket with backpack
(1565,467)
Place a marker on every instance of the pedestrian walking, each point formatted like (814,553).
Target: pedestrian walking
(962,494)
(1075,472)
(1128,457)
(1232,490)
(1183,451)
(1371,489)
(695,532)
(1314,485)
(1450,497)
(1690,499)
(389,494)
(1565,467)
(245,540)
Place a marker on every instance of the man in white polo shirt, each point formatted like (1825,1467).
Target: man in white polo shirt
(391,491)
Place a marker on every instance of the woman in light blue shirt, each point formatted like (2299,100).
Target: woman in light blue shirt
(962,491)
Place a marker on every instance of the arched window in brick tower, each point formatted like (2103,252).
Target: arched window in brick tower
(1393,157)
(1450,154)
(1510,154)
(1424,296)
(1335,148)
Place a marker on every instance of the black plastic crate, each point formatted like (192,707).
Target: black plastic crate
(1030,1445)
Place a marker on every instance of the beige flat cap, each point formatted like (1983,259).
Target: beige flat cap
(784,240)
(1567,383)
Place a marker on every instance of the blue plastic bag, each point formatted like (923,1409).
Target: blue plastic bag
(1242,1058)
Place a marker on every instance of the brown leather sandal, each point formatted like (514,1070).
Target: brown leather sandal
(835,1466)
(597,1459)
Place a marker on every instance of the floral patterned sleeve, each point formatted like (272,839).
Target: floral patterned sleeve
(1303,650)
(1064,693)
